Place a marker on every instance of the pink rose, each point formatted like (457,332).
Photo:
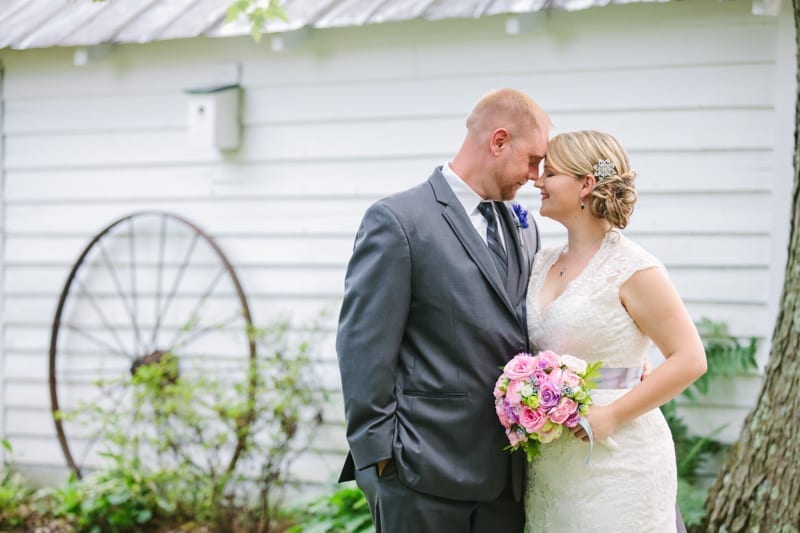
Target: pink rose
(520,367)
(500,409)
(571,379)
(547,360)
(532,419)
(514,437)
(513,394)
(561,412)
(500,387)
(540,376)
(550,432)
(557,377)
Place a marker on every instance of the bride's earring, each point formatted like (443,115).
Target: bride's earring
(582,206)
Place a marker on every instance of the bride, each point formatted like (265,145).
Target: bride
(601,297)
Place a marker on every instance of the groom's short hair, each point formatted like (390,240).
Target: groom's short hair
(506,108)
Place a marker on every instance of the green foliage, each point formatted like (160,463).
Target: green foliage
(199,442)
(691,501)
(256,14)
(124,497)
(727,357)
(15,494)
(691,451)
(344,511)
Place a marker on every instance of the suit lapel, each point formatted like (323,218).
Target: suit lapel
(459,222)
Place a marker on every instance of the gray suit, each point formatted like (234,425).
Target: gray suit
(425,325)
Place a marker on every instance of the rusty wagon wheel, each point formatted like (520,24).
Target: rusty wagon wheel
(148,285)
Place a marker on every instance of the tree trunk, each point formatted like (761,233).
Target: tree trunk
(758,489)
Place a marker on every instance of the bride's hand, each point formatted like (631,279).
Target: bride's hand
(602,421)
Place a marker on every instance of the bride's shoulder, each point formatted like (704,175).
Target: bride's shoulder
(631,256)
(631,248)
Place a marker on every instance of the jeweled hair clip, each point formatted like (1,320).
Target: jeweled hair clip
(604,168)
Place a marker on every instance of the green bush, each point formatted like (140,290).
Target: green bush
(15,494)
(198,446)
(343,511)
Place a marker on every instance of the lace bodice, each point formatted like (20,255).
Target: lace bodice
(590,306)
(626,488)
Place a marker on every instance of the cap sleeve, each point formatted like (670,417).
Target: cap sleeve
(632,259)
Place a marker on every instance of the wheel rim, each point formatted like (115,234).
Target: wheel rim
(139,349)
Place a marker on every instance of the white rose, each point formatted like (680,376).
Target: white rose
(574,363)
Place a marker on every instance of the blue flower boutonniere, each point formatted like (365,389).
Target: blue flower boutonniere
(522,215)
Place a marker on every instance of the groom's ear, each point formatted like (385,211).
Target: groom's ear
(499,141)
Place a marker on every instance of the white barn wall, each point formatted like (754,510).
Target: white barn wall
(3,380)
(358,113)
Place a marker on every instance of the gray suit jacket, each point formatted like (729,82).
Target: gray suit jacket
(425,325)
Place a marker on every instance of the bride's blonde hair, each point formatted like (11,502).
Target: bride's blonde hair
(576,153)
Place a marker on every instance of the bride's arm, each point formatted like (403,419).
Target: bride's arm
(656,307)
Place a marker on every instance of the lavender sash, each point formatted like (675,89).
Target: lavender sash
(619,378)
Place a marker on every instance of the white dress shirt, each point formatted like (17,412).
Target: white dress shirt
(470,200)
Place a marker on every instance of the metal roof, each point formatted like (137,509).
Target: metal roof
(46,23)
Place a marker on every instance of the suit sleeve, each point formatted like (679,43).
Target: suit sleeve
(372,322)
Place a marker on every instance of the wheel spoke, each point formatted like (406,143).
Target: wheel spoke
(87,373)
(177,281)
(120,291)
(99,342)
(99,433)
(194,313)
(103,318)
(159,280)
(134,297)
(180,342)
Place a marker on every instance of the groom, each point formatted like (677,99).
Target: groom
(434,305)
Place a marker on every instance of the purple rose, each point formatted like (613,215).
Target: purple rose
(549,395)
(511,414)
(573,420)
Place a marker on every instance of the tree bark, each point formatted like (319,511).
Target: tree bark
(758,489)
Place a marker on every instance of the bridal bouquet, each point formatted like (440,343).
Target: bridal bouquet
(537,396)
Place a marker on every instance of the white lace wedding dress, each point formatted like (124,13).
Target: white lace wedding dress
(630,487)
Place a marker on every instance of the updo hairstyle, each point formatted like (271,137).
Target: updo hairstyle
(576,153)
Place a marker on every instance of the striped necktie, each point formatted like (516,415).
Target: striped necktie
(493,239)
